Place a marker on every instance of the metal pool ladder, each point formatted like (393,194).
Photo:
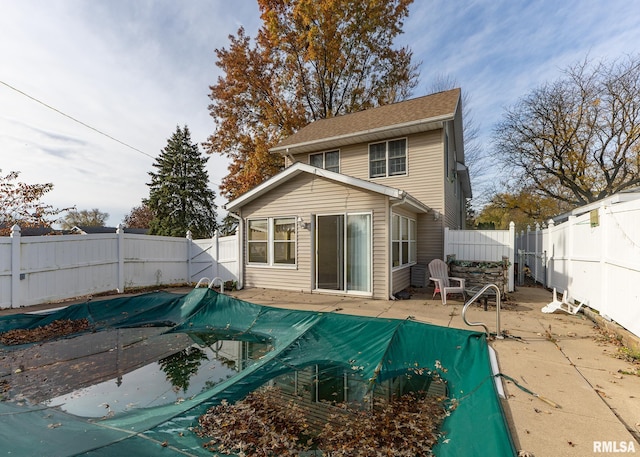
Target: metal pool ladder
(481,324)
(212,283)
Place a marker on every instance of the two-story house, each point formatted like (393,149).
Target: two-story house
(363,198)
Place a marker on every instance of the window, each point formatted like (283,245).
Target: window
(327,160)
(272,241)
(403,241)
(377,160)
(258,241)
(284,241)
(388,158)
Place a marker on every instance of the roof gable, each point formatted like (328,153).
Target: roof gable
(299,167)
(409,116)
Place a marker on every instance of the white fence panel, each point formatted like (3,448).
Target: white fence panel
(215,258)
(557,246)
(482,245)
(45,269)
(55,267)
(154,260)
(596,261)
(5,270)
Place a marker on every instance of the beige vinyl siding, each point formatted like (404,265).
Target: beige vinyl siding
(401,279)
(452,191)
(425,181)
(304,196)
(424,167)
(430,238)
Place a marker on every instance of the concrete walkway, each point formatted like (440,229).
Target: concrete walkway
(559,357)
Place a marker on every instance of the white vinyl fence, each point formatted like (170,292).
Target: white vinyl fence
(482,246)
(43,269)
(594,256)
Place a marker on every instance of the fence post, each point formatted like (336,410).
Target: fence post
(15,266)
(189,254)
(603,306)
(538,252)
(550,253)
(512,255)
(570,240)
(215,261)
(120,234)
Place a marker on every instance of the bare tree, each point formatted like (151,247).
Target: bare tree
(577,139)
(89,218)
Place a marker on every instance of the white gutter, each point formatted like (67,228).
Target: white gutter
(240,246)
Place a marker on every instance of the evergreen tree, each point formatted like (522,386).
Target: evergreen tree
(179,196)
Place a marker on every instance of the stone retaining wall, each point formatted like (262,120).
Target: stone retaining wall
(479,273)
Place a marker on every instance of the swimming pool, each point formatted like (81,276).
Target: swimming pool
(283,341)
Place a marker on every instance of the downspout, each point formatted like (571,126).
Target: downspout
(290,156)
(240,250)
(390,244)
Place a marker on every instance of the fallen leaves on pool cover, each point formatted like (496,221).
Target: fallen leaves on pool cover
(262,424)
(55,329)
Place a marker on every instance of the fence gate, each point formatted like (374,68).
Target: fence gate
(482,245)
(539,262)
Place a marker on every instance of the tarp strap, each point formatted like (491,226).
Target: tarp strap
(524,389)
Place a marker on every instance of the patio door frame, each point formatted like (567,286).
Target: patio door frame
(343,252)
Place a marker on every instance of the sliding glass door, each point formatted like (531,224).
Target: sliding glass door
(343,252)
(330,252)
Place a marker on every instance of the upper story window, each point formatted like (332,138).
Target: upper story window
(388,158)
(328,160)
(272,241)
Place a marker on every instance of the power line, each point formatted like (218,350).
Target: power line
(76,120)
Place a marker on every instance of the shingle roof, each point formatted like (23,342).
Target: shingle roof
(429,108)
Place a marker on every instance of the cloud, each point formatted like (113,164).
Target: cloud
(136,69)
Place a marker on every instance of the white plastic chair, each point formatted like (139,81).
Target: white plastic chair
(439,274)
(563,305)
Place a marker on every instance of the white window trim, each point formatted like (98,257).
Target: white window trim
(386,158)
(414,242)
(271,243)
(324,158)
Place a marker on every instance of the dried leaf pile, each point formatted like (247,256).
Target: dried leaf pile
(260,425)
(55,329)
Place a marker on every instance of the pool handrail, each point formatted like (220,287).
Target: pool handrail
(481,324)
(211,283)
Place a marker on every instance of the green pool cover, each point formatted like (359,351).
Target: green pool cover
(381,349)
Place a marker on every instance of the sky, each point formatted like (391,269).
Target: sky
(91,90)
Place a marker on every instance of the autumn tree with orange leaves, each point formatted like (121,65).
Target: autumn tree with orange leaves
(20,203)
(310,60)
(139,217)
